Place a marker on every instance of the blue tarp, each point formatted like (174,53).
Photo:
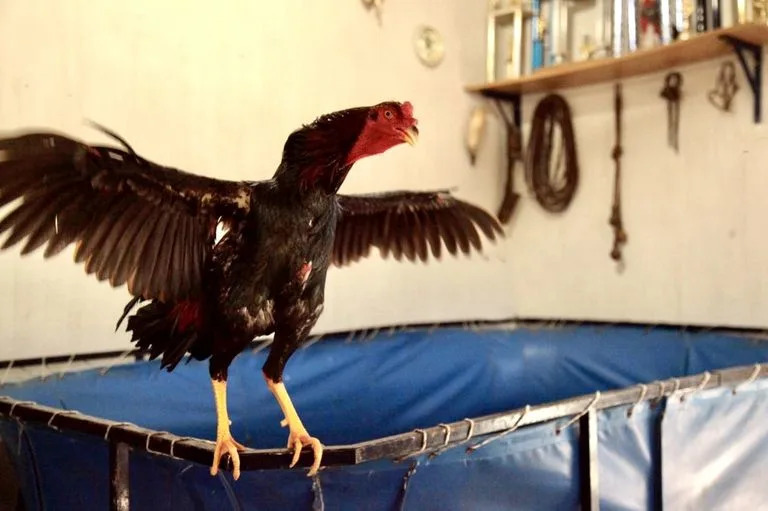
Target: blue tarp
(628,457)
(715,449)
(353,391)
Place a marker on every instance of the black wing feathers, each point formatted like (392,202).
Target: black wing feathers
(132,221)
(410,224)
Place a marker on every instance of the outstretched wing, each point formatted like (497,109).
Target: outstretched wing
(410,224)
(132,220)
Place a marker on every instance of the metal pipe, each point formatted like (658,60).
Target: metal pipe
(201,451)
(119,479)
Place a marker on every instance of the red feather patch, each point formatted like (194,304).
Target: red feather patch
(187,314)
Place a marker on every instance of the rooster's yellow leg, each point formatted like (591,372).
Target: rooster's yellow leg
(298,436)
(224,441)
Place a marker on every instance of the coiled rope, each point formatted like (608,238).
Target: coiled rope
(553,185)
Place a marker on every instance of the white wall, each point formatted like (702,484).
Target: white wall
(216,90)
(696,221)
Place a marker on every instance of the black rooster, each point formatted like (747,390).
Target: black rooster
(154,228)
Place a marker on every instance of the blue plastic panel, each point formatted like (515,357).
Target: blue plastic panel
(350,391)
(629,457)
(715,449)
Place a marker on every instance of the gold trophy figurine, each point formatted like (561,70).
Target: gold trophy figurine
(686,22)
(752,11)
(760,11)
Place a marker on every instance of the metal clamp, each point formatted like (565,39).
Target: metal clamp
(421,449)
(17,403)
(149,437)
(447,433)
(643,392)
(581,414)
(512,428)
(423,440)
(704,380)
(752,377)
(471,429)
(110,426)
(60,412)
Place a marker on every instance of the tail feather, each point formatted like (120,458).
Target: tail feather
(170,330)
(126,310)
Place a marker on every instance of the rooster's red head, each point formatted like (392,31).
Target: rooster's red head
(386,125)
(322,152)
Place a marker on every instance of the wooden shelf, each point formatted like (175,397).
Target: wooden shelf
(700,47)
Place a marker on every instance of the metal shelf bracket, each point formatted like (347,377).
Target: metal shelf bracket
(513,130)
(513,99)
(752,70)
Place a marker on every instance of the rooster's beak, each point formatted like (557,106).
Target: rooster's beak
(411,135)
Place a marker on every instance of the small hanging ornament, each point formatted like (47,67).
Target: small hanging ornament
(428,45)
(374,5)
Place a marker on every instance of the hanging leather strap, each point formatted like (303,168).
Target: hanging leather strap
(514,153)
(619,235)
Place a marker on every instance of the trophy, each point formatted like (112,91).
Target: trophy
(624,36)
(684,24)
(507,39)
(752,11)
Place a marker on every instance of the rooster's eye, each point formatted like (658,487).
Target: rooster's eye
(388,114)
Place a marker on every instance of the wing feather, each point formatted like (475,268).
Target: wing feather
(152,250)
(394,241)
(465,230)
(21,221)
(176,264)
(409,224)
(131,220)
(202,255)
(162,277)
(137,252)
(19,177)
(94,229)
(431,232)
(419,237)
(364,239)
(73,220)
(346,243)
(447,231)
(490,227)
(106,260)
(96,244)
(355,243)
(405,234)
(126,247)
(48,223)
(384,243)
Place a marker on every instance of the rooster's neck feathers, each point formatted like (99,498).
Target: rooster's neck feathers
(315,156)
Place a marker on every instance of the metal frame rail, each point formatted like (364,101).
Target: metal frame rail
(124,437)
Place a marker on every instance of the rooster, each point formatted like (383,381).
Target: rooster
(155,228)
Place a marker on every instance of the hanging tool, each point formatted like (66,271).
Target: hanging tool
(376,6)
(551,165)
(475,131)
(619,235)
(671,92)
(514,153)
(725,87)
